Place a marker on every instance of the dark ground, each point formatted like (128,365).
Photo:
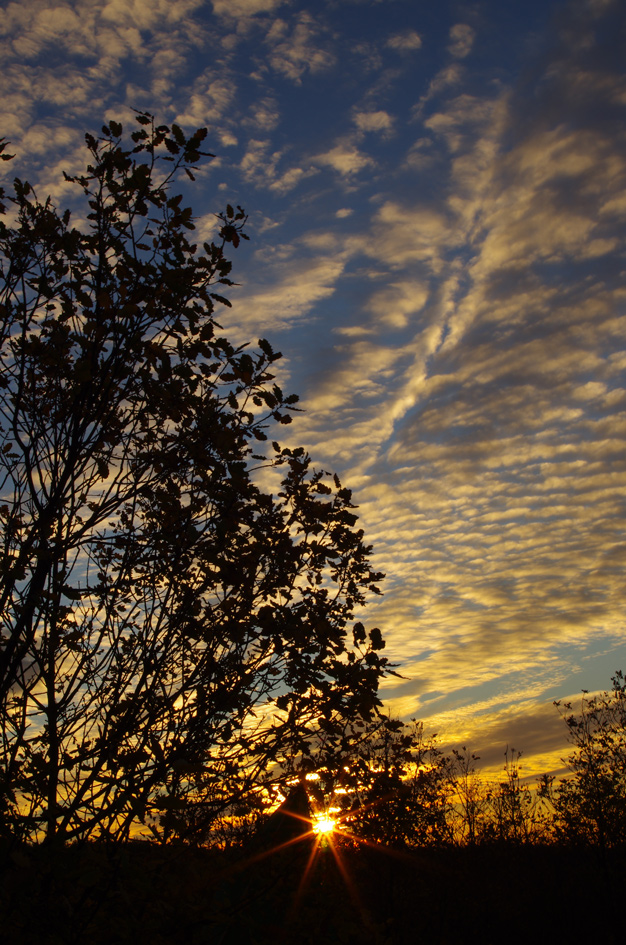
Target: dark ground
(144,893)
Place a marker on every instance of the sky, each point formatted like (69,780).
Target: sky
(436,198)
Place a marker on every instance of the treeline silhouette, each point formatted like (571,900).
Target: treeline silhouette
(397,787)
(425,850)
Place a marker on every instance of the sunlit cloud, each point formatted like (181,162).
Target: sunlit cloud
(413,235)
(244,8)
(297,50)
(439,248)
(394,305)
(209,104)
(500,516)
(461,40)
(264,167)
(373,121)
(345,158)
(448,77)
(263,116)
(404,42)
(297,284)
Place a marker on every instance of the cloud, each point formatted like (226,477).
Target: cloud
(209,104)
(263,116)
(100,28)
(458,338)
(461,40)
(412,235)
(476,400)
(462,118)
(41,139)
(298,50)
(367,55)
(373,121)
(244,8)
(345,158)
(404,42)
(397,302)
(261,166)
(446,78)
(295,286)
(69,61)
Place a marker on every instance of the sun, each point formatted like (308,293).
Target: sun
(324,824)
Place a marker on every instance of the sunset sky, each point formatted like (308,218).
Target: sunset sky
(437,199)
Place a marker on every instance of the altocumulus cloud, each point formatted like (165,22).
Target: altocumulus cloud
(491,461)
(439,250)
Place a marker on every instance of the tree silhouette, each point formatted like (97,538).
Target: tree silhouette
(171,632)
(590,805)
